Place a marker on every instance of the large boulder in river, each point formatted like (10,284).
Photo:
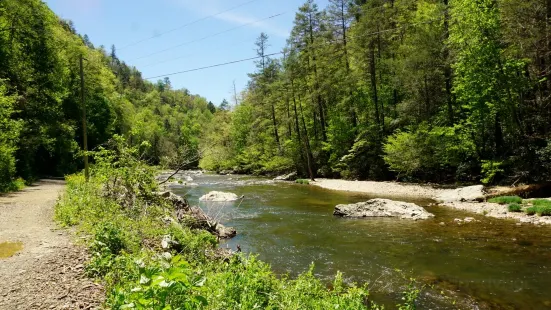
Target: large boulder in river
(469,193)
(383,208)
(219,196)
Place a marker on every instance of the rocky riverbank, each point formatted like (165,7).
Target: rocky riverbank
(498,211)
(471,198)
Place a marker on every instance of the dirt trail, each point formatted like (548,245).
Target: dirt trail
(48,273)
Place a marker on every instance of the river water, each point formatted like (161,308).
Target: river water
(491,264)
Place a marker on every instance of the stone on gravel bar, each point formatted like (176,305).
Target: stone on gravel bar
(383,208)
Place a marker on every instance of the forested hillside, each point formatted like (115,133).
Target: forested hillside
(447,90)
(450,90)
(40,99)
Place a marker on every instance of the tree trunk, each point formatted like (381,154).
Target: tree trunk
(373,75)
(447,66)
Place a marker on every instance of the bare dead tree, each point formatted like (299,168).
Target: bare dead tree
(183,159)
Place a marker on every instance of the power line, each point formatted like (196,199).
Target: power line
(278,53)
(186,25)
(180,57)
(184,56)
(212,66)
(210,36)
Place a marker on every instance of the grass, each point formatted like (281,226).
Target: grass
(503,200)
(515,207)
(531,210)
(541,207)
(302,181)
(541,202)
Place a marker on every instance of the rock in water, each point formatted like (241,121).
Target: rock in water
(287,177)
(225,232)
(383,208)
(179,203)
(219,196)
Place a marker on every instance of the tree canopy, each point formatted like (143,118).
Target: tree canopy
(40,103)
(451,90)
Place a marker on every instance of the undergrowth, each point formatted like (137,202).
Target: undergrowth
(514,207)
(506,200)
(541,207)
(12,185)
(127,224)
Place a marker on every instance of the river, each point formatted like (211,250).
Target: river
(491,264)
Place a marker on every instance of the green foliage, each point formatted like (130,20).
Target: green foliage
(514,207)
(541,207)
(544,211)
(302,181)
(450,97)
(489,170)
(410,296)
(424,150)
(403,153)
(531,210)
(541,202)
(458,94)
(503,200)
(41,106)
(9,135)
(108,238)
(166,282)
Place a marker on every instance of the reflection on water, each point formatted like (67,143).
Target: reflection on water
(497,263)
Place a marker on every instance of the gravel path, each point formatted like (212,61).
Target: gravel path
(48,273)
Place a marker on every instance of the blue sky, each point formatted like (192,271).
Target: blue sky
(123,22)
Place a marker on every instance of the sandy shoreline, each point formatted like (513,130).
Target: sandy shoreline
(387,189)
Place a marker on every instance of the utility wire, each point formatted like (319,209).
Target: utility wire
(209,36)
(187,55)
(213,66)
(180,57)
(186,25)
(278,53)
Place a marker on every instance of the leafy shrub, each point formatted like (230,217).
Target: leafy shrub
(278,164)
(506,200)
(108,237)
(167,283)
(302,181)
(9,134)
(514,207)
(531,210)
(541,207)
(490,169)
(544,211)
(424,148)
